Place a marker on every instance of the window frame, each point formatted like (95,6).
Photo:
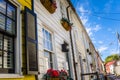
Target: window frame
(51,62)
(4,33)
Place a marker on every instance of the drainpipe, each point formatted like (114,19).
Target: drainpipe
(74,64)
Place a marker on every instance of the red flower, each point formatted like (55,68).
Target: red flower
(63,73)
(54,4)
(53,73)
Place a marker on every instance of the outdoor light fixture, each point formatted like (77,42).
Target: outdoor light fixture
(84,60)
(87,50)
(65,47)
(90,53)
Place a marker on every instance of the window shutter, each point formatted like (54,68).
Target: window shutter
(31,41)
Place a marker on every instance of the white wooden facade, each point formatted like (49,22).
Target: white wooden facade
(51,23)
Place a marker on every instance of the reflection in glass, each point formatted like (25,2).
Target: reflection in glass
(8,60)
(2,21)
(8,44)
(0,59)
(1,38)
(11,11)
(2,6)
(47,40)
(10,26)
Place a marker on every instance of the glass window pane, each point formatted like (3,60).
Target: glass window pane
(45,34)
(0,59)
(31,26)
(8,44)
(2,21)
(10,26)
(0,53)
(47,40)
(8,60)
(47,37)
(43,31)
(50,46)
(11,11)
(46,54)
(50,37)
(2,6)
(45,44)
(1,41)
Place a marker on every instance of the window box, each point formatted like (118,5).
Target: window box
(52,75)
(53,79)
(50,5)
(66,24)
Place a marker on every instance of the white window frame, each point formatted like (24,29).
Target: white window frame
(18,46)
(50,51)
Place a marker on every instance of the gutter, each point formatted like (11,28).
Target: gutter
(74,64)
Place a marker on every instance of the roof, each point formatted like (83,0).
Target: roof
(110,63)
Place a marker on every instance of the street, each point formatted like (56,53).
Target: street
(113,77)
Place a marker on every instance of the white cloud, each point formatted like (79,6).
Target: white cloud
(113,32)
(109,29)
(90,26)
(82,10)
(97,28)
(100,42)
(93,40)
(89,31)
(83,18)
(114,51)
(102,49)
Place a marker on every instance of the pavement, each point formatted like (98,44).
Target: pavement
(113,77)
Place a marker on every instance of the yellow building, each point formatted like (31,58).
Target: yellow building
(18,41)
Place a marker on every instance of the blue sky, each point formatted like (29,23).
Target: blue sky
(101,19)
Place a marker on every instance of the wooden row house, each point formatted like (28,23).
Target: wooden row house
(37,35)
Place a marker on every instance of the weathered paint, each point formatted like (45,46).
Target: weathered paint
(26,3)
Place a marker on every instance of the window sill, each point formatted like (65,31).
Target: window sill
(11,76)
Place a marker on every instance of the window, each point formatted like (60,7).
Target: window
(47,41)
(7,36)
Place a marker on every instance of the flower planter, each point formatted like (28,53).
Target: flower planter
(50,6)
(66,25)
(64,77)
(53,79)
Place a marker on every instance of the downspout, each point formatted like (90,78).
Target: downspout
(72,46)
